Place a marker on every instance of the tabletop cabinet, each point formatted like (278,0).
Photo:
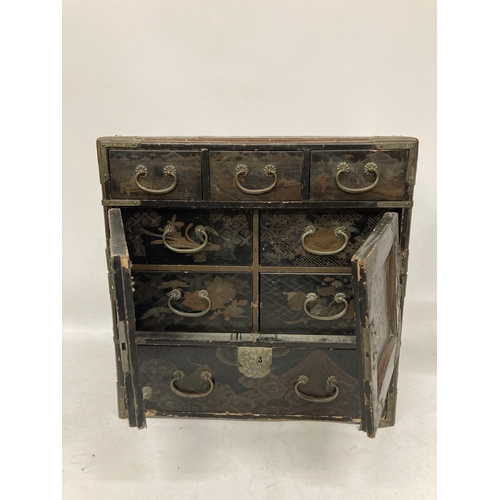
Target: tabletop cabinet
(257,277)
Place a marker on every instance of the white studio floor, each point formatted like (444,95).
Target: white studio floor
(240,459)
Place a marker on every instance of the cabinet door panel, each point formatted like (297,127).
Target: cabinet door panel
(121,297)
(376,288)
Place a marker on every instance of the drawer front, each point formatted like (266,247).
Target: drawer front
(358,175)
(250,381)
(192,302)
(306,303)
(155,175)
(251,176)
(174,237)
(297,238)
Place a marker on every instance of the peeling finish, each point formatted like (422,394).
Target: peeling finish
(404,255)
(103,143)
(412,164)
(405,143)
(395,144)
(361,268)
(122,410)
(252,416)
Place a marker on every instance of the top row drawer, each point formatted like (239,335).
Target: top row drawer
(259,175)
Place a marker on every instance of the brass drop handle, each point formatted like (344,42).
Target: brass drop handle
(168,171)
(370,169)
(339,298)
(199,230)
(339,233)
(176,295)
(269,170)
(179,375)
(330,383)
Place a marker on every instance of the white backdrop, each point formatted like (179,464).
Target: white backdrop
(193,67)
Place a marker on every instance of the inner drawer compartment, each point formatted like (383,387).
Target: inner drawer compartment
(306,303)
(358,175)
(186,236)
(239,381)
(155,175)
(256,175)
(297,238)
(192,302)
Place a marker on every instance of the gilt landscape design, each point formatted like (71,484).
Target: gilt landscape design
(237,394)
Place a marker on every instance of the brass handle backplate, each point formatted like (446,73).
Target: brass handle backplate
(330,383)
(199,230)
(179,375)
(370,169)
(339,233)
(269,170)
(168,171)
(313,297)
(176,295)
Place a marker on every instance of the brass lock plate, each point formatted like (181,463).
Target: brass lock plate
(255,362)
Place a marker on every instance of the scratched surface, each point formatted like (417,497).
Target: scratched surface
(223,184)
(237,392)
(391,183)
(122,170)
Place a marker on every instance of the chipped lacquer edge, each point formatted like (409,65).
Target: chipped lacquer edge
(104,143)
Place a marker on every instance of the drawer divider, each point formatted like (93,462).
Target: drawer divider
(255,272)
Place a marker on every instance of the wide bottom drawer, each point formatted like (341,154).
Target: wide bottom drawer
(250,381)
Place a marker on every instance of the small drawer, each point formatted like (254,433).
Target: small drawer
(168,301)
(309,238)
(186,236)
(239,381)
(307,303)
(254,176)
(155,175)
(358,175)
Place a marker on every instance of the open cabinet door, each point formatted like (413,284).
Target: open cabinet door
(121,292)
(376,269)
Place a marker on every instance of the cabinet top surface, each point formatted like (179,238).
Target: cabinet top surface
(133,141)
